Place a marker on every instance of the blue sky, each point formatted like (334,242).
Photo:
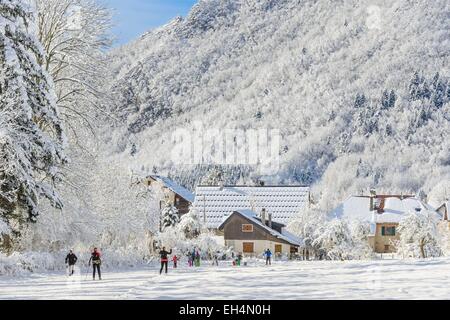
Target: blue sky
(134,17)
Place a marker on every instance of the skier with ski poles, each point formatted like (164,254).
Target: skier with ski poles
(268,255)
(96,262)
(164,259)
(71,259)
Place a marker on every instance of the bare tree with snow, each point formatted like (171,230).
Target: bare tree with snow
(418,236)
(75,34)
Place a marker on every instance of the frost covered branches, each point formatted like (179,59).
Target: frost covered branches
(31,134)
(418,236)
(75,34)
(188,234)
(334,239)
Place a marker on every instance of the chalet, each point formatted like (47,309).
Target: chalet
(383,212)
(252,235)
(215,203)
(172,193)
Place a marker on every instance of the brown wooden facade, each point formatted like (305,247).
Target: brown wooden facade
(233,230)
(252,238)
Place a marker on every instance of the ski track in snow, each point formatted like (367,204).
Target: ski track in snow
(386,279)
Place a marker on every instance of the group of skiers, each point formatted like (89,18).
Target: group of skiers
(71,260)
(193,260)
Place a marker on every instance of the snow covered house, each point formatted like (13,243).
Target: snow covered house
(172,193)
(215,203)
(383,213)
(252,235)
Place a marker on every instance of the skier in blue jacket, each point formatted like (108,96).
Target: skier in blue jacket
(268,255)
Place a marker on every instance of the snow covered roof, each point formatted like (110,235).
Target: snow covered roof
(253,217)
(444,209)
(394,208)
(176,188)
(283,202)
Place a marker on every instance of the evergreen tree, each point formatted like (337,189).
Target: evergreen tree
(31,135)
(385,100)
(213,177)
(360,101)
(439,94)
(392,99)
(414,86)
(170,216)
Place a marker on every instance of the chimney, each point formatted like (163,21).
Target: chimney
(263,216)
(270,220)
(221,185)
(373,195)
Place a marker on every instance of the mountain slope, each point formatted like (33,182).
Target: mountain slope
(352,85)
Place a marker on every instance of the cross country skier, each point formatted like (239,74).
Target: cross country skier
(164,260)
(190,262)
(96,262)
(197,259)
(175,260)
(193,257)
(268,255)
(71,259)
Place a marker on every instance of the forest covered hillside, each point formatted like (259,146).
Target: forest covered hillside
(359,89)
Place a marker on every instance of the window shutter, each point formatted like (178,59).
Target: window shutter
(383,231)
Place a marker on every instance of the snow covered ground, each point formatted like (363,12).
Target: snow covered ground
(387,279)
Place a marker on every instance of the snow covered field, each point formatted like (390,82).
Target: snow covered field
(388,279)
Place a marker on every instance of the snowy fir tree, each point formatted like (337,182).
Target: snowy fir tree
(31,135)
(169,216)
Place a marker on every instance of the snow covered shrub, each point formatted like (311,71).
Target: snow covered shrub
(22,263)
(171,237)
(188,235)
(360,232)
(190,224)
(335,239)
(305,226)
(418,236)
(208,245)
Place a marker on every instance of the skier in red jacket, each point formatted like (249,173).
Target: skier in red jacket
(164,260)
(175,260)
(96,262)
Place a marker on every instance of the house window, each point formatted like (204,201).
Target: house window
(388,231)
(278,248)
(247,247)
(247,228)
